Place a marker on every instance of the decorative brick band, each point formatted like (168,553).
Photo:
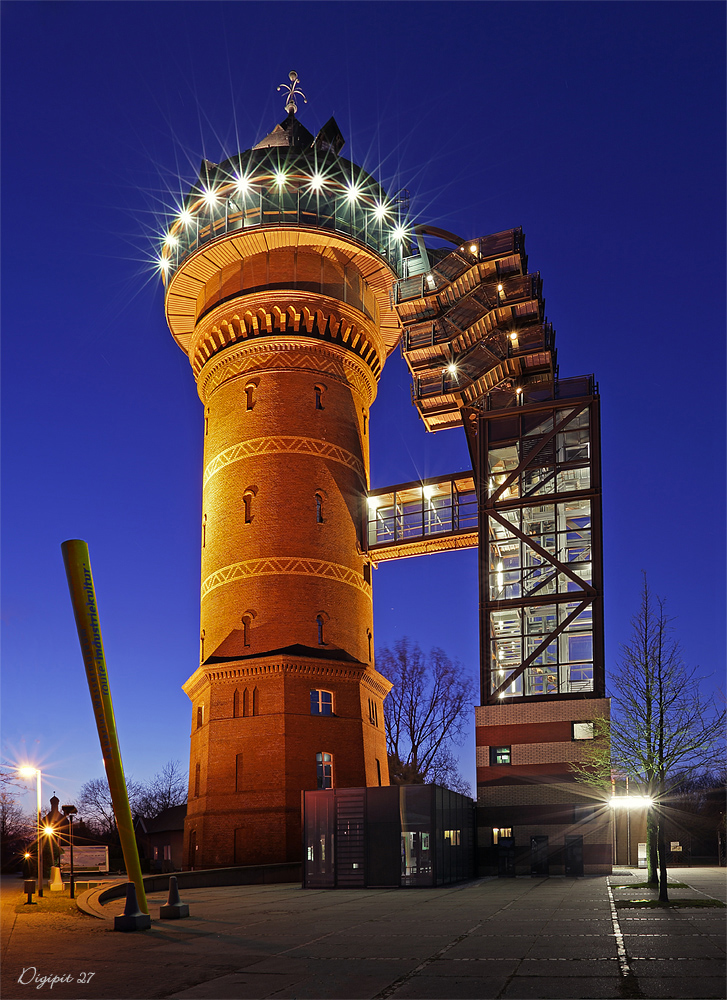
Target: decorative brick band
(273,566)
(284,445)
(245,358)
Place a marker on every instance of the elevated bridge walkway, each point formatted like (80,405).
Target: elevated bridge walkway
(413,519)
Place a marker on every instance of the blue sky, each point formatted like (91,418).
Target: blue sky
(597,127)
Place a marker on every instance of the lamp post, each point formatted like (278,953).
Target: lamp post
(30,772)
(627,802)
(69,812)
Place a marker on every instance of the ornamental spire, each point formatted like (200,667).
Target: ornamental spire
(291,104)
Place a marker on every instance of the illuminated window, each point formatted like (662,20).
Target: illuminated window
(583,731)
(500,755)
(324,770)
(500,831)
(321,703)
(453,836)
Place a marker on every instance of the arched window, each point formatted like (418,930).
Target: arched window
(324,770)
(246,626)
(319,390)
(319,623)
(319,508)
(247,499)
(255,701)
(200,716)
(364,424)
(204,530)
(245,703)
(201,646)
(250,395)
(370,639)
(206,421)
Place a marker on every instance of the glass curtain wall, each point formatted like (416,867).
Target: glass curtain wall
(540,551)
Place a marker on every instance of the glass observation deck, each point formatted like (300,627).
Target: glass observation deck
(417,518)
(300,198)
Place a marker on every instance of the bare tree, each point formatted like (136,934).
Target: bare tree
(426,714)
(661,729)
(94,801)
(166,789)
(16,829)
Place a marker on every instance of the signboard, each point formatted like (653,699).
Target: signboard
(675,846)
(642,856)
(85,859)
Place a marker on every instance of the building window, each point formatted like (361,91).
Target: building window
(246,626)
(369,637)
(245,704)
(583,731)
(319,390)
(378,771)
(319,623)
(247,499)
(204,530)
(324,770)
(321,703)
(249,395)
(319,508)
(453,836)
(167,852)
(238,772)
(200,716)
(197,772)
(206,421)
(364,423)
(255,701)
(500,831)
(500,755)
(373,712)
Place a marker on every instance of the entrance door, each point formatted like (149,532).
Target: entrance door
(506,857)
(573,855)
(538,856)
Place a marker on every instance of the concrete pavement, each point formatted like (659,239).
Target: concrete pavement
(510,938)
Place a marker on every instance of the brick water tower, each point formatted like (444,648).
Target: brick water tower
(278,273)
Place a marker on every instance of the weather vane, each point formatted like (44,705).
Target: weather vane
(291,105)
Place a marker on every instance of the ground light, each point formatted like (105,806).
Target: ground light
(29,772)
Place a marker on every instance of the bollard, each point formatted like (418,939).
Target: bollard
(56,882)
(174,908)
(30,888)
(132,919)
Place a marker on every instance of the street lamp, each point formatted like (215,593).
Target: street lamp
(29,772)
(69,812)
(627,802)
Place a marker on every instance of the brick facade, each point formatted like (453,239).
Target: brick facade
(536,795)
(286,378)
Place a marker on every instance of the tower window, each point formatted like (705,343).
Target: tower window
(255,701)
(246,625)
(373,713)
(319,508)
(321,703)
(319,390)
(319,623)
(206,421)
(500,755)
(250,395)
(364,423)
(200,716)
(370,640)
(204,530)
(378,771)
(324,770)
(247,499)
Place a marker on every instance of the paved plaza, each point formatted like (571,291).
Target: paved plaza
(511,938)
